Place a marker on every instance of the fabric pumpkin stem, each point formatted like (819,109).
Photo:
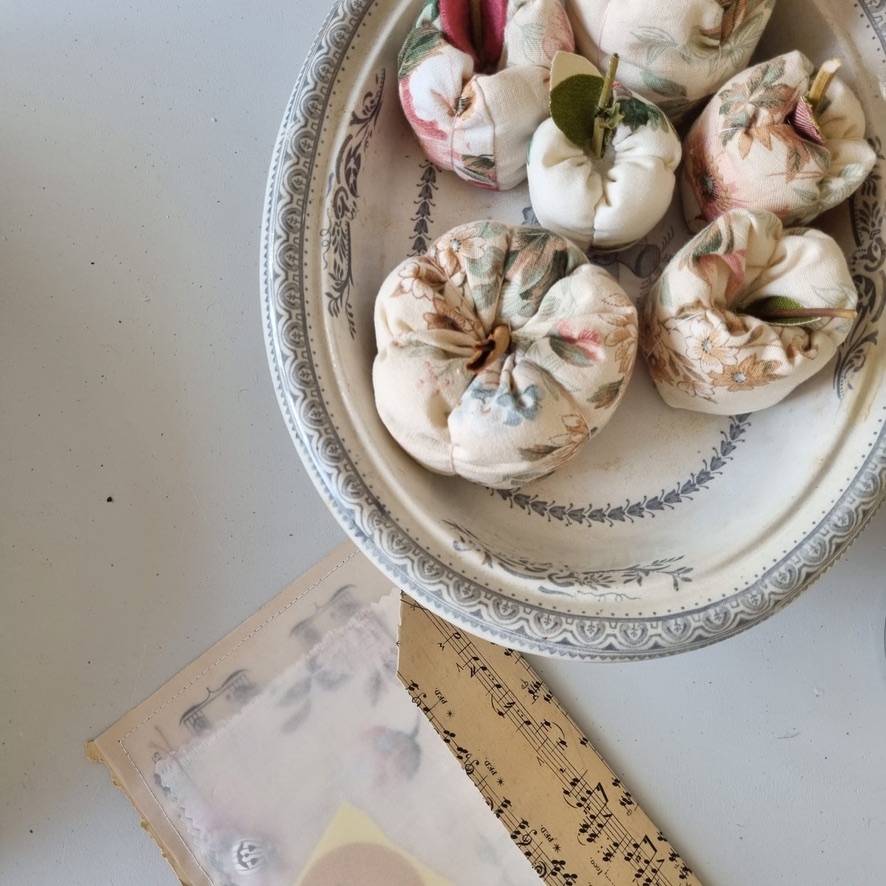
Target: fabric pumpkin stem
(604,113)
(487,352)
(822,81)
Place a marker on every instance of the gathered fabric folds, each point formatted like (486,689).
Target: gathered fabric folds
(500,352)
(474,100)
(675,55)
(758,145)
(746,312)
(612,201)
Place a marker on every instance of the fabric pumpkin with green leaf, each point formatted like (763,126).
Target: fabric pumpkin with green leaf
(473,80)
(674,54)
(605,195)
(500,352)
(776,137)
(744,313)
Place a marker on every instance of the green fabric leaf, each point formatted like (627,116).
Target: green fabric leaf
(480,161)
(538,451)
(637,113)
(770,308)
(710,245)
(479,167)
(657,42)
(573,105)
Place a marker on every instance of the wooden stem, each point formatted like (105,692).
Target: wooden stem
(821,82)
(477,30)
(608,80)
(602,105)
(487,352)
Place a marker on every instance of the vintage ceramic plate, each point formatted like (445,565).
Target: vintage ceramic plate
(672,529)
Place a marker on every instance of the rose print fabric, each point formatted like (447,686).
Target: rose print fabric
(474,107)
(676,53)
(754,146)
(500,352)
(611,201)
(744,313)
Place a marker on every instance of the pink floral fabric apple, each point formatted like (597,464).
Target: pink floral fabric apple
(771,139)
(744,313)
(473,79)
(500,352)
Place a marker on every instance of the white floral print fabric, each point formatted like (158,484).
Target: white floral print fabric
(676,53)
(753,147)
(605,202)
(472,115)
(500,352)
(744,313)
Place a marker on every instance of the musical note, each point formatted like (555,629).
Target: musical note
(536,690)
(502,807)
(455,635)
(627,802)
(580,794)
(519,832)
(611,850)
(472,664)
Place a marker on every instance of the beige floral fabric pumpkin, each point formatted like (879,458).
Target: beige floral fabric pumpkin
(676,53)
(760,144)
(500,352)
(475,88)
(744,313)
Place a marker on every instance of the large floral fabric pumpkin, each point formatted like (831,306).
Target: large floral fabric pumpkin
(675,53)
(759,144)
(474,89)
(500,352)
(744,313)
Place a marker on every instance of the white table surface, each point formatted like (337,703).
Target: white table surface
(152,499)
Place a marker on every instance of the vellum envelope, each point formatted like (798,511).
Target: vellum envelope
(242,765)
(218,683)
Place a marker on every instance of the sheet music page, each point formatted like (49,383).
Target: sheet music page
(572,818)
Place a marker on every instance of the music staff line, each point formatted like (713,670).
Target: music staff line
(599,822)
(590,800)
(528,838)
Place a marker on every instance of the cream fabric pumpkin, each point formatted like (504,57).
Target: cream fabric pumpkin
(611,201)
(744,313)
(475,115)
(500,352)
(675,53)
(754,146)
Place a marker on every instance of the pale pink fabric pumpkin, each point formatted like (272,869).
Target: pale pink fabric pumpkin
(756,145)
(500,352)
(744,313)
(674,53)
(474,96)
